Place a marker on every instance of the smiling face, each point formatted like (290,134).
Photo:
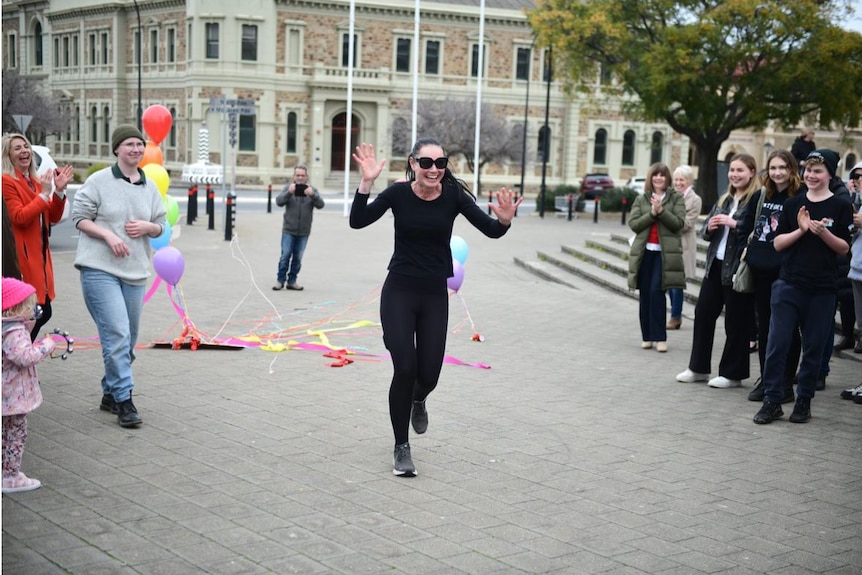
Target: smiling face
(20,154)
(816,176)
(779,172)
(680,183)
(130,151)
(739,175)
(428,177)
(659,182)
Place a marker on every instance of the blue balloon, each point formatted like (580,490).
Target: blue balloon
(163,240)
(459,249)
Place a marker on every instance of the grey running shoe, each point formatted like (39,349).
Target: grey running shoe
(419,417)
(402,465)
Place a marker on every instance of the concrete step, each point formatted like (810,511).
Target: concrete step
(592,272)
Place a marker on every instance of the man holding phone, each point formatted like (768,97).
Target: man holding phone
(299,200)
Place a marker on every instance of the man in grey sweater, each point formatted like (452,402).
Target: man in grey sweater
(299,200)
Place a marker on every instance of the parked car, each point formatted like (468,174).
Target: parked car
(637,184)
(595,185)
(45,162)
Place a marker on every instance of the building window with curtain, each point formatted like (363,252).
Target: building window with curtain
(104,48)
(628,148)
(154,46)
(94,125)
(656,147)
(212,40)
(345,50)
(432,57)
(474,61)
(172,45)
(522,64)
(290,146)
(38,55)
(247,135)
(172,135)
(106,124)
(600,147)
(12,51)
(249,42)
(402,55)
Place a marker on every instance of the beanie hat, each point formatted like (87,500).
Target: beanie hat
(828,157)
(122,133)
(15,292)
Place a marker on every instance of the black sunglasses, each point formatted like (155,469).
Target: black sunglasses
(426,163)
(856,176)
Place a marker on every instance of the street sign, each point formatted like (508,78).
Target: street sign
(23,122)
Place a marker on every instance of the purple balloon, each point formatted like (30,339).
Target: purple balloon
(457,278)
(169,264)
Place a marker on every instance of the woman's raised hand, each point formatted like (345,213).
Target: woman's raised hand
(369,167)
(507,203)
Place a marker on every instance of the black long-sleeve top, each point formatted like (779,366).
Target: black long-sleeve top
(423,229)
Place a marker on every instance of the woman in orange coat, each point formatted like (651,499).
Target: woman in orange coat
(34,203)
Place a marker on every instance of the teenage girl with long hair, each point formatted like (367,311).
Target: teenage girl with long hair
(727,228)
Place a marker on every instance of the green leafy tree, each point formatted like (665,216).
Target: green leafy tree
(709,67)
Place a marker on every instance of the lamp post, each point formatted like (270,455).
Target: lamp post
(526,116)
(546,144)
(140,57)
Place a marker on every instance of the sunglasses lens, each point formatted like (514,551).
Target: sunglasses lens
(426,163)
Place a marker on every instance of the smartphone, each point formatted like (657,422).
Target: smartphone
(299,189)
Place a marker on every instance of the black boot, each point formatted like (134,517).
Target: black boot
(768,413)
(127,413)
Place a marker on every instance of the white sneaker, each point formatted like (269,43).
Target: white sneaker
(688,376)
(723,383)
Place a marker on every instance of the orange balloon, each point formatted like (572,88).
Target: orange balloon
(152,155)
(157,122)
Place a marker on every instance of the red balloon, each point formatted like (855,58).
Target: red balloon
(157,122)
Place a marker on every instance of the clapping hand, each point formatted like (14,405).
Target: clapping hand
(506,205)
(803,218)
(63,176)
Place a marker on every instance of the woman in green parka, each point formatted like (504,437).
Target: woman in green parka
(655,260)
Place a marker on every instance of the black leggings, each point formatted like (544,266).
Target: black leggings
(415,318)
(43,319)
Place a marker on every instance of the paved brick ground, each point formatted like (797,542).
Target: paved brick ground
(577,452)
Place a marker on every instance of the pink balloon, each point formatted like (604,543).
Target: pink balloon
(457,278)
(169,264)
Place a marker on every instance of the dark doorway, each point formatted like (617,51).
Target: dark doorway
(339,138)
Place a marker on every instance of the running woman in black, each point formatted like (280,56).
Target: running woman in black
(414,302)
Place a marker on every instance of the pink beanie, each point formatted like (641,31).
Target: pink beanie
(15,291)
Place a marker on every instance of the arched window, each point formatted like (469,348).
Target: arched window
(290,146)
(106,124)
(172,135)
(94,125)
(600,147)
(656,147)
(38,54)
(544,148)
(400,137)
(629,148)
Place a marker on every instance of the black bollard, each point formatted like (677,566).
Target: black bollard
(569,201)
(490,199)
(623,210)
(596,211)
(229,216)
(269,199)
(189,215)
(210,198)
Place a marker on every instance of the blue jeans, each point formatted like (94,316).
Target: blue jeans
(814,313)
(116,308)
(290,261)
(653,306)
(675,302)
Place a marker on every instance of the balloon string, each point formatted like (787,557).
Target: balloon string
(467,311)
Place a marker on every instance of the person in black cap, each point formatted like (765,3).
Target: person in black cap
(813,230)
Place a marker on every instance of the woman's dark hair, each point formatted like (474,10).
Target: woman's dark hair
(658,168)
(793,169)
(448,177)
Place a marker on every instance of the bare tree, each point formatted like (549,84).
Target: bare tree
(27,96)
(453,122)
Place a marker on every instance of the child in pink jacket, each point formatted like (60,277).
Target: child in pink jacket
(21,393)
